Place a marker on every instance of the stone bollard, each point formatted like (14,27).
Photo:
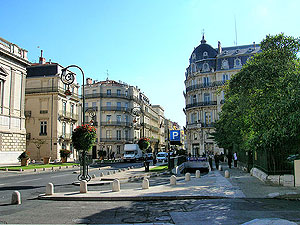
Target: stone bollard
(34,170)
(227,174)
(21,170)
(132,167)
(123,169)
(94,176)
(173,180)
(16,198)
(6,169)
(108,173)
(83,186)
(119,170)
(114,172)
(59,167)
(44,169)
(198,174)
(101,174)
(116,185)
(73,166)
(220,168)
(145,183)
(128,168)
(49,189)
(187,177)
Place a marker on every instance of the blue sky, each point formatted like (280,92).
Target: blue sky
(145,43)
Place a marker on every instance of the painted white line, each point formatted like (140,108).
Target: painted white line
(61,175)
(24,181)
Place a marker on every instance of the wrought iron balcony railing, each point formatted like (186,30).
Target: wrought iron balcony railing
(199,104)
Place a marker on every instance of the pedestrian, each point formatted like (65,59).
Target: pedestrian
(217,160)
(210,157)
(154,160)
(229,157)
(235,159)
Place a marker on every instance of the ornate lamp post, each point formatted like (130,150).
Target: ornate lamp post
(68,78)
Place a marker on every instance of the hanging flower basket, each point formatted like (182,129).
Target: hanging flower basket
(144,144)
(84,137)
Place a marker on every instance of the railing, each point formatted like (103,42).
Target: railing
(105,95)
(93,108)
(117,123)
(115,139)
(197,104)
(199,125)
(48,90)
(67,115)
(205,85)
(43,111)
(115,108)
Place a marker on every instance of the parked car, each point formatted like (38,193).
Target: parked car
(162,156)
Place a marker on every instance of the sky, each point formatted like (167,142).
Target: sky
(145,43)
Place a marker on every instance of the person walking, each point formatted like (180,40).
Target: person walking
(210,158)
(217,160)
(229,157)
(235,159)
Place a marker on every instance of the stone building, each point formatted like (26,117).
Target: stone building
(209,69)
(51,115)
(123,114)
(13,63)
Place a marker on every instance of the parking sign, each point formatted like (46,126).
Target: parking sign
(174,135)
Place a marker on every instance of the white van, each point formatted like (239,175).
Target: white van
(132,153)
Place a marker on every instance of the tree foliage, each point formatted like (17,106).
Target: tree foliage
(262,101)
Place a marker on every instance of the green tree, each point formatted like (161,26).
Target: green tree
(262,107)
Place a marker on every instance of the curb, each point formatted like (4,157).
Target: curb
(139,198)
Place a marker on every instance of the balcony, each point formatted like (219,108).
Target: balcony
(200,104)
(105,95)
(48,90)
(205,85)
(93,108)
(118,140)
(116,123)
(115,108)
(199,125)
(63,115)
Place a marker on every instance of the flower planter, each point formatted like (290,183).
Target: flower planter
(46,160)
(24,162)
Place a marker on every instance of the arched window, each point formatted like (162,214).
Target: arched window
(225,64)
(205,67)
(237,63)
(205,55)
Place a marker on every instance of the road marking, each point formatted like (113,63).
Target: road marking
(24,181)
(61,175)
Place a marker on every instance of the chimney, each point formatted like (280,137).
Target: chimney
(254,45)
(219,47)
(89,81)
(42,60)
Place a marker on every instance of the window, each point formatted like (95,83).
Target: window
(225,64)
(205,67)
(194,99)
(193,118)
(225,77)
(108,105)
(206,81)
(72,89)
(118,92)
(118,149)
(108,118)
(108,134)
(205,55)
(63,128)
(108,92)
(72,110)
(71,128)
(119,105)
(1,93)
(86,105)
(126,134)
(94,92)
(126,93)
(237,63)
(118,119)
(94,105)
(126,105)
(126,118)
(71,148)
(206,98)
(118,134)
(195,136)
(64,108)
(43,128)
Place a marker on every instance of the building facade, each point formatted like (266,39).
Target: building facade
(209,69)
(123,114)
(13,63)
(51,115)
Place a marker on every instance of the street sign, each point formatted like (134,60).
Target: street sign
(175,135)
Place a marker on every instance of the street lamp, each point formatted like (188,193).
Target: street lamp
(68,78)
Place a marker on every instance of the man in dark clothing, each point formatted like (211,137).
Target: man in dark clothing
(229,157)
(217,160)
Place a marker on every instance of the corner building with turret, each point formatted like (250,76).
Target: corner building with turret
(209,69)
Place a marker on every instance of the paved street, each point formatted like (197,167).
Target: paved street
(203,211)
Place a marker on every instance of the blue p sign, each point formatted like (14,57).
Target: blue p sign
(175,135)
